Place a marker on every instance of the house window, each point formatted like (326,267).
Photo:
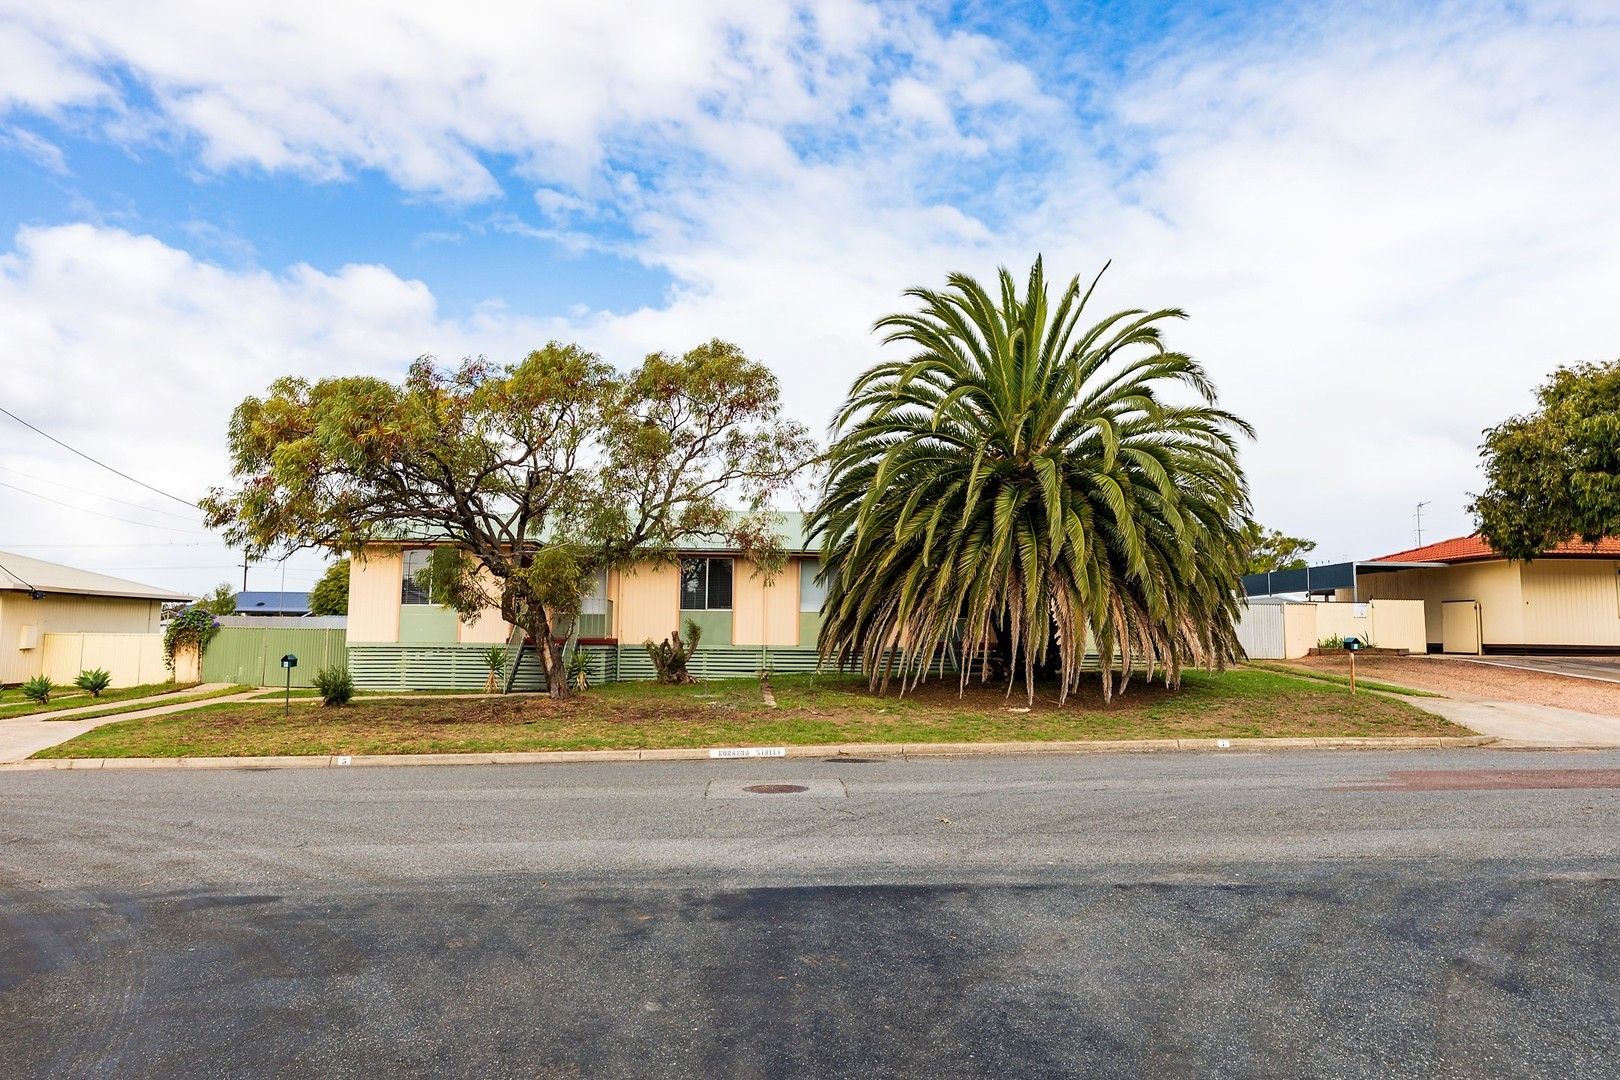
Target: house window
(812,593)
(705,584)
(410,590)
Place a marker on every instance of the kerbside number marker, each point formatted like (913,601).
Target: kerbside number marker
(749,751)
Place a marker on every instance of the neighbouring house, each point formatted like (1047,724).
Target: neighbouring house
(57,620)
(1476,601)
(400,637)
(294,604)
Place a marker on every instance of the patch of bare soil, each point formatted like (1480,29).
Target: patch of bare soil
(1448,675)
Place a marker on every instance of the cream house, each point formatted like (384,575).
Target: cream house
(1567,600)
(49,609)
(400,636)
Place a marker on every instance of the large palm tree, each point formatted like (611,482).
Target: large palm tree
(1023,487)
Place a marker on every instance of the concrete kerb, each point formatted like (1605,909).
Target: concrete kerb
(851,750)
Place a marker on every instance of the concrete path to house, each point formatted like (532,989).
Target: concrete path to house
(167,698)
(24,736)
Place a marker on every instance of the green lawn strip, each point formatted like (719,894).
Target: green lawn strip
(304,692)
(141,706)
(12,704)
(1343,680)
(1241,703)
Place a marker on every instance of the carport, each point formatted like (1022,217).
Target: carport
(1324,581)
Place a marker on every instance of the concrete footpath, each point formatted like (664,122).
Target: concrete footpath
(851,752)
(21,736)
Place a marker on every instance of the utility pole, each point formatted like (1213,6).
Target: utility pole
(244,569)
(1419,518)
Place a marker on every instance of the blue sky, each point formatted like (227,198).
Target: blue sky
(1387,221)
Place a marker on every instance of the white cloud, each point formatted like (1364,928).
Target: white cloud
(1387,227)
(136,353)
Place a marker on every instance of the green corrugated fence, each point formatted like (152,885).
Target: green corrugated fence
(251,655)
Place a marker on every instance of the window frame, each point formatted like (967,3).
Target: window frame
(408,586)
(707,587)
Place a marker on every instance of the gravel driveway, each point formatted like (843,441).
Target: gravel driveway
(1450,675)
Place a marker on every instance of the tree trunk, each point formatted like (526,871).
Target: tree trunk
(551,657)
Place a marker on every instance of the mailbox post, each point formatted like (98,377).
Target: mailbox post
(288,662)
(1352,645)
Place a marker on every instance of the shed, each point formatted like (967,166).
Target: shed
(39,598)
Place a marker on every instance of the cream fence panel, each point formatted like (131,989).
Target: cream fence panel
(131,659)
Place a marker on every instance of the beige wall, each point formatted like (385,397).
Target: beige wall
(374,583)
(131,659)
(1570,602)
(1494,584)
(1299,630)
(1388,624)
(649,604)
(489,628)
(24,618)
(765,612)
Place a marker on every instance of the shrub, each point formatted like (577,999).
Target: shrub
(335,684)
(671,655)
(94,680)
(579,669)
(194,627)
(38,689)
(495,661)
(1334,642)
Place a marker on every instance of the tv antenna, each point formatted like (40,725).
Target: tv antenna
(1418,519)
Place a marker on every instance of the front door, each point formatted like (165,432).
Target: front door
(1459,627)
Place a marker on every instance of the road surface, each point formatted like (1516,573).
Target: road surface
(1322,914)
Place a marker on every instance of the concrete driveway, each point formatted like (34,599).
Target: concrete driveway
(1604,668)
(1336,915)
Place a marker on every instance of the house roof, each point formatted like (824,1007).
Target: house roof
(255,602)
(21,573)
(1474,549)
(790,530)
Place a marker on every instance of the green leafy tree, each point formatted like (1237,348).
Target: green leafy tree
(222,601)
(530,476)
(1554,474)
(1026,479)
(330,596)
(1266,550)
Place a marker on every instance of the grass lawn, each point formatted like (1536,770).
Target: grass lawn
(141,706)
(1242,703)
(12,702)
(1338,679)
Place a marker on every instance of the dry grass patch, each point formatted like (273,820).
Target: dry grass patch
(1243,703)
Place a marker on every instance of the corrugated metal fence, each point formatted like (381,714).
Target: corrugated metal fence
(131,659)
(248,650)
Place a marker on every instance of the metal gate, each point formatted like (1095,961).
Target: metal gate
(1460,627)
(1260,630)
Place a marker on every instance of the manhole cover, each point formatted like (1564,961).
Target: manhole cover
(776,789)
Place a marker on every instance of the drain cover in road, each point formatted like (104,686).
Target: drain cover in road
(775,790)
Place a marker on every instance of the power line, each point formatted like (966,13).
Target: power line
(97,513)
(92,494)
(137,544)
(94,461)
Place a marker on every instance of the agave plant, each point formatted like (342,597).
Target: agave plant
(1027,488)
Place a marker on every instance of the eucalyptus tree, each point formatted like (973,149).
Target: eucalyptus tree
(529,477)
(1027,485)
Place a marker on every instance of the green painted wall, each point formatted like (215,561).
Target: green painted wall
(809,629)
(426,624)
(716,626)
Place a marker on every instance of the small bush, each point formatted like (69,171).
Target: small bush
(335,684)
(95,680)
(495,661)
(1334,642)
(38,689)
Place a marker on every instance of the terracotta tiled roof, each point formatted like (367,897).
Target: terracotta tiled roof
(1474,548)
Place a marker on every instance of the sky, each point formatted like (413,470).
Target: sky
(1387,222)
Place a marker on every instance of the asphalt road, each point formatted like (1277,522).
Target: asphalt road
(1352,914)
